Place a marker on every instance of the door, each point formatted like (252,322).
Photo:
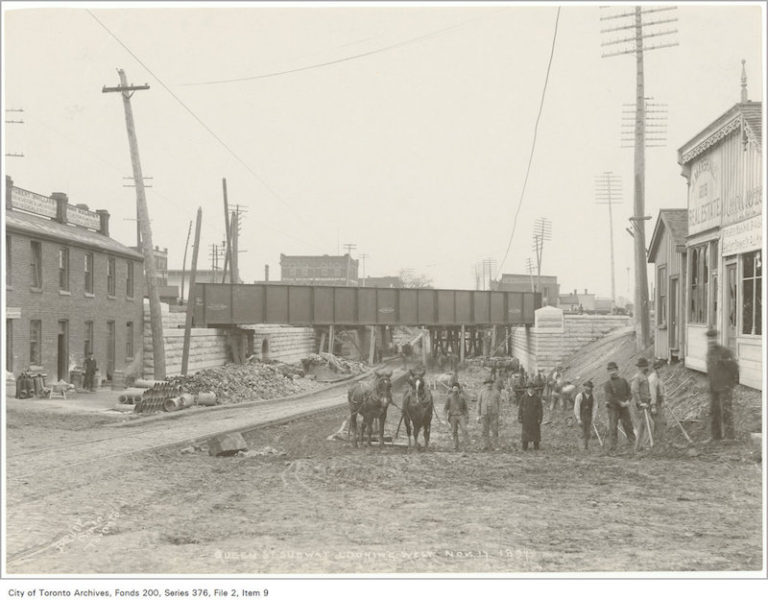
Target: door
(110,350)
(673,320)
(62,354)
(731,308)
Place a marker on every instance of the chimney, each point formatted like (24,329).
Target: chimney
(743,82)
(103,222)
(61,206)
(266,273)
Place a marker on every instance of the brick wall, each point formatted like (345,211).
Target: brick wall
(50,305)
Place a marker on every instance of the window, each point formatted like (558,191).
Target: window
(699,284)
(36,265)
(9,345)
(111,276)
(35,342)
(88,272)
(64,269)
(8,280)
(661,296)
(752,299)
(88,339)
(129,281)
(129,340)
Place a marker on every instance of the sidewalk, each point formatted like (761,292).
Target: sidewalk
(102,401)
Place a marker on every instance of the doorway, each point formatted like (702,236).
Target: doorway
(110,350)
(62,352)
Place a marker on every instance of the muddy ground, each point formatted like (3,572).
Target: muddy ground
(309,505)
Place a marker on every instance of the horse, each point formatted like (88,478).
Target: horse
(417,408)
(369,399)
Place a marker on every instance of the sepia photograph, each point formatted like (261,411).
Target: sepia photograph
(381,290)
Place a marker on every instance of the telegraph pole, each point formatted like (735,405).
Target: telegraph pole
(14,122)
(155,314)
(227,227)
(184,261)
(363,257)
(542,231)
(633,21)
(607,191)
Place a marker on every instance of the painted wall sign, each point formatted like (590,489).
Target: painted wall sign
(13,312)
(743,237)
(743,206)
(31,202)
(83,218)
(704,202)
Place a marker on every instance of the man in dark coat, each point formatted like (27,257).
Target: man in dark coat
(617,398)
(90,372)
(723,372)
(530,413)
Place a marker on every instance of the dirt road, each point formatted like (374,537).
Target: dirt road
(324,507)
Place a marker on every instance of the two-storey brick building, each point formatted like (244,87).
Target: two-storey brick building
(70,288)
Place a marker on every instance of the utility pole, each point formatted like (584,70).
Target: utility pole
(184,261)
(529,268)
(227,227)
(608,191)
(138,221)
(236,216)
(633,20)
(14,122)
(542,231)
(363,257)
(489,264)
(191,299)
(155,314)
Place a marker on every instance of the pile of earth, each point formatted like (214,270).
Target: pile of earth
(252,381)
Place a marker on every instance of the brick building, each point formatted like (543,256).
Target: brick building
(319,270)
(70,288)
(511,282)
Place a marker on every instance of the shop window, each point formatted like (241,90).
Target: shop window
(129,281)
(88,272)
(661,296)
(699,284)
(35,342)
(129,340)
(36,265)
(752,298)
(111,276)
(64,269)
(88,339)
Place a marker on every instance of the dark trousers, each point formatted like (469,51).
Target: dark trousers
(614,416)
(586,429)
(88,383)
(721,413)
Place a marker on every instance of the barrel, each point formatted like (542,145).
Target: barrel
(207,399)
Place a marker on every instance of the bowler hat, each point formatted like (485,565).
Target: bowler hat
(613,365)
(589,384)
(642,362)
(711,333)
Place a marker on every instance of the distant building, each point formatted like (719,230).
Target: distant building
(510,282)
(70,289)
(391,281)
(168,293)
(175,276)
(577,302)
(319,270)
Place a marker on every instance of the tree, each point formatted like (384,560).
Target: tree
(410,280)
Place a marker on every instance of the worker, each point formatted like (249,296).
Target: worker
(641,396)
(457,413)
(585,410)
(658,392)
(90,373)
(617,397)
(530,413)
(488,411)
(723,372)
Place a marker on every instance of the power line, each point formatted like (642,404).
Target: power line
(331,62)
(533,146)
(199,120)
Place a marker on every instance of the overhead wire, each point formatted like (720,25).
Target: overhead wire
(533,145)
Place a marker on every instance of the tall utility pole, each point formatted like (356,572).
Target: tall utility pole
(542,231)
(228,228)
(608,191)
(489,266)
(363,257)
(155,314)
(191,299)
(632,20)
(184,261)
(236,216)
(529,268)
(14,122)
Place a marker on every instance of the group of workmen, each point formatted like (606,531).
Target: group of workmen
(645,391)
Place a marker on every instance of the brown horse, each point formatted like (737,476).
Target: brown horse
(369,399)
(417,408)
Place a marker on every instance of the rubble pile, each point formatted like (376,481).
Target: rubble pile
(337,364)
(252,381)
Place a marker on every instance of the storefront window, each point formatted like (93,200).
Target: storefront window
(752,305)
(699,284)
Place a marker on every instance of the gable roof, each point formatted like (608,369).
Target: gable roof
(674,220)
(41,227)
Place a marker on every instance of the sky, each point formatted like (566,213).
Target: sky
(403,129)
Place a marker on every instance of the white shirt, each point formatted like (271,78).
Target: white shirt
(657,388)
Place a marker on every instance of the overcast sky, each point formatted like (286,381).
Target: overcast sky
(412,144)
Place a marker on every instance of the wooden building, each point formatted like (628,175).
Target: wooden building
(667,252)
(723,167)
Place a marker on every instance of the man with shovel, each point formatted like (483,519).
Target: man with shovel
(585,410)
(617,398)
(641,394)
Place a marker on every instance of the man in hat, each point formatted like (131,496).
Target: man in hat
(488,411)
(656,386)
(585,410)
(457,412)
(90,372)
(723,372)
(530,413)
(617,397)
(641,395)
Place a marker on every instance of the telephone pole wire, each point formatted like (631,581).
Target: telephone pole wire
(608,191)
